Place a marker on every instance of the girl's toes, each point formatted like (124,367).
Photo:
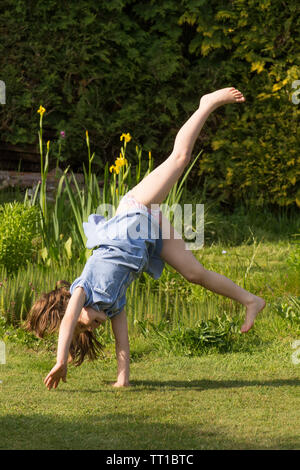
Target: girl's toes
(239,97)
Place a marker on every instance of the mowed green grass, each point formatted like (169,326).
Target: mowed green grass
(245,400)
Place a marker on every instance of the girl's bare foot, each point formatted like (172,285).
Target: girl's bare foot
(220,97)
(121,384)
(253,308)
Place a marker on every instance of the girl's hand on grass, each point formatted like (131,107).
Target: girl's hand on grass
(58,372)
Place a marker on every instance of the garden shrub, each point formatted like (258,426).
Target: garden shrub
(289,308)
(18,230)
(218,334)
(139,67)
(254,154)
(17,335)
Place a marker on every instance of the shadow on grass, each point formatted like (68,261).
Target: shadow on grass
(202,385)
(198,385)
(122,431)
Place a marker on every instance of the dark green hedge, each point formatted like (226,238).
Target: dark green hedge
(140,67)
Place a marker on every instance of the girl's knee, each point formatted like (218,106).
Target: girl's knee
(195,274)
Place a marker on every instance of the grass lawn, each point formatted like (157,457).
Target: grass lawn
(241,400)
(246,399)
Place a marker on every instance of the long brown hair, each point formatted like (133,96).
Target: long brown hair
(46,315)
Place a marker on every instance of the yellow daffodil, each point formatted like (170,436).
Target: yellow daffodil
(41,110)
(127,137)
(48,145)
(150,155)
(121,161)
(114,169)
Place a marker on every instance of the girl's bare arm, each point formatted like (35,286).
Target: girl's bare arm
(66,331)
(120,330)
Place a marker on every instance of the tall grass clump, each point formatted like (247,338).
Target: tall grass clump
(294,258)
(19,290)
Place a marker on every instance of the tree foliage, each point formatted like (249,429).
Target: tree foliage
(141,67)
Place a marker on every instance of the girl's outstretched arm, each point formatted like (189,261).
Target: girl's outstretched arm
(120,330)
(66,331)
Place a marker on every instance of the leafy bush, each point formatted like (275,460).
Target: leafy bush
(251,45)
(18,229)
(17,335)
(140,67)
(218,334)
(290,309)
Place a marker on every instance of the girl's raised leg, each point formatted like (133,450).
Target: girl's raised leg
(155,187)
(174,252)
